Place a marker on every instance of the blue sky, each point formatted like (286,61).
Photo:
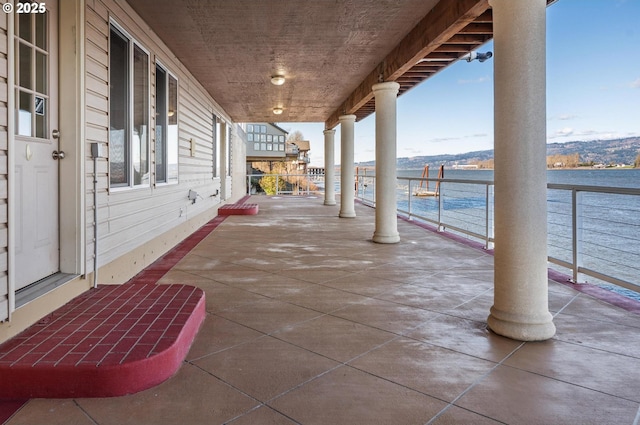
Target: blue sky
(593,90)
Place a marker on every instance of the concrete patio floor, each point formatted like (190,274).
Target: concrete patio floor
(310,322)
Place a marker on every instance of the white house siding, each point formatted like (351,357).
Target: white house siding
(4,284)
(129,218)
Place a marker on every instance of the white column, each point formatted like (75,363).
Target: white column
(347,180)
(329,168)
(386,230)
(520,308)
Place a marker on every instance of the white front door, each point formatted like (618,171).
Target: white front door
(36,212)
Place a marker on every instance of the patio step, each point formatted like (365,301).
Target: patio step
(238,209)
(110,341)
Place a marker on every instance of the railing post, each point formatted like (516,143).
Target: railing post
(374,189)
(409,198)
(576,232)
(486,216)
(277,184)
(440,196)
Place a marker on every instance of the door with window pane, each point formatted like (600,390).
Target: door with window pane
(36,150)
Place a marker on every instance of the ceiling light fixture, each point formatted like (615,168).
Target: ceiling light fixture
(277,80)
(278,111)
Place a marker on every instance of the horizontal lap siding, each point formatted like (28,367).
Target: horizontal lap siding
(129,218)
(4,283)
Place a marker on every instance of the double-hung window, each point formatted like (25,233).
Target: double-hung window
(128,111)
(166,126)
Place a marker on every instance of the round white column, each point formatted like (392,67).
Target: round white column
(520,310)
(386,203)
(329,168)
(347,169)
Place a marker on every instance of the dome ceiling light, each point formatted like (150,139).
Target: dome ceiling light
(277,80)
(277,111)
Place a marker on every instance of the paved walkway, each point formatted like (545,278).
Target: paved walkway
(310,322)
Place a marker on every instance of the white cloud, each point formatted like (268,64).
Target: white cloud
(476,81)
(567,131)
(443,139)
(562,117)
(635,84)
(589,134)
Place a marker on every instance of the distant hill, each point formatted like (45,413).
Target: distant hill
(616,151)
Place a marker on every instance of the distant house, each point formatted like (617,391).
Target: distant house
(268,142)
(265,142)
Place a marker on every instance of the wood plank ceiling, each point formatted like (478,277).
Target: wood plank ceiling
(331,52)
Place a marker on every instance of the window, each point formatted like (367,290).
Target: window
(249,128)
(256,146)
(250,137)
(128,111)
(166,126)
(216,146)
(32,63)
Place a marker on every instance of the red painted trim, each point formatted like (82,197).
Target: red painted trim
(115,374)
(238,209)
(8,407)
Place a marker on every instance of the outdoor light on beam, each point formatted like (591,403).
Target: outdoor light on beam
(278,110)
(475,55)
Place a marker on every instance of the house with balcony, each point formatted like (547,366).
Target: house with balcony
(299,154)
(121,154)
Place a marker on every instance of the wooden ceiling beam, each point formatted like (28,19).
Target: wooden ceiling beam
(486,17)
(414,74)
(444,21)
(473,28)
(412,81)
(458,48)
(476,39)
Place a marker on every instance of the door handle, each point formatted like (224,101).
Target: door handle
(57,155)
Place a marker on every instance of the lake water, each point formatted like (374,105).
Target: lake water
(610,223)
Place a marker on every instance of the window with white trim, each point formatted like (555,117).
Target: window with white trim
(128,111)
(216,147)
(166,154)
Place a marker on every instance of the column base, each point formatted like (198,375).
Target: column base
(505,324)
(378,238)
(329,203)
(347,214)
